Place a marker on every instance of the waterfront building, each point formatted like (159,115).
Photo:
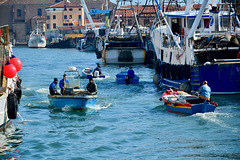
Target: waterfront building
(64,14)
(22,15)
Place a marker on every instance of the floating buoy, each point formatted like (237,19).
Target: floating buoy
(9,70)
(16,62)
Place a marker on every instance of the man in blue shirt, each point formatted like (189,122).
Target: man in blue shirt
(131,72)
(63,83)
(53,87)
(205,91)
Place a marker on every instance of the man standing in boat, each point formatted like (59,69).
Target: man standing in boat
(205,92)
(53,87)
(63,83)
(91,87)
(98,68)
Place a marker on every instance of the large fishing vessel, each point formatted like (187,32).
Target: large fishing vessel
(122,45)
(10,88)
(37,39)
(197,45)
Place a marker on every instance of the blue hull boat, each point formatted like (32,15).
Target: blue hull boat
(73,96)
(72,101)
(182,102)
(123,78)
(198,50)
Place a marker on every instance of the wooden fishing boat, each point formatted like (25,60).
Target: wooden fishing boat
(182,102)
(74,97)
(123,78)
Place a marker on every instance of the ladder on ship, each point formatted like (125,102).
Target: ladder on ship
(195,79)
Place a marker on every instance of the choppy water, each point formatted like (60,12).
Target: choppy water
(127,122)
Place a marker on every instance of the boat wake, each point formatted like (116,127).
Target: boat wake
(217,118)
(43,90)
(99,107)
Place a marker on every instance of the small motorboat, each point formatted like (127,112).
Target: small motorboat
(74,97)
(123,78)
(90,73)
(182,102)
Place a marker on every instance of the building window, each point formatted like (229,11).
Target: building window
(48,17)
(70,24)
(47,26)
(39,12)
(65,16)
(19,12)
(79,16)
(70,16)
(65,24)
(70,9)
(54,26)
(54,16)
(54,9)
(79,9)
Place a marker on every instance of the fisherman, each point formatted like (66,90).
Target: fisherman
(53,87)
(98,68)
(205,92)
(91,87)
(130,72)
(63,83)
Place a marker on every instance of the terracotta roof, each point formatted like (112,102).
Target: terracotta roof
(148,10)
(62,4)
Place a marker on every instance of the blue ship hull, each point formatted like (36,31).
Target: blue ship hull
(121,78)
(73,102)
(197,108)
(223,78)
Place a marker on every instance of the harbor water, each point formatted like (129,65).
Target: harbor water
(127,122)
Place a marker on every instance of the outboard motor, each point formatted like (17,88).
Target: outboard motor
(127,79)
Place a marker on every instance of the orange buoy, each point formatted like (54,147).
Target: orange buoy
(9,70)
(16,62)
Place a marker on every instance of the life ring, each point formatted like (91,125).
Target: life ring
(12,106)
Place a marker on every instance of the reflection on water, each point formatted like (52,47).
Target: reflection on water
(10,140)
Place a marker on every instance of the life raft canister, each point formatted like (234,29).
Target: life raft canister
(12,106)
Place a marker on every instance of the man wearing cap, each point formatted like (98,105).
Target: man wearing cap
(91,87)
(63,83)
(53,87)
(205,92)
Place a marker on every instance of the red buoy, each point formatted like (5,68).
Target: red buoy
(16,62)
(9,70)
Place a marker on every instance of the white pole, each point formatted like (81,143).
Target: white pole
(197,19)
(87,13)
